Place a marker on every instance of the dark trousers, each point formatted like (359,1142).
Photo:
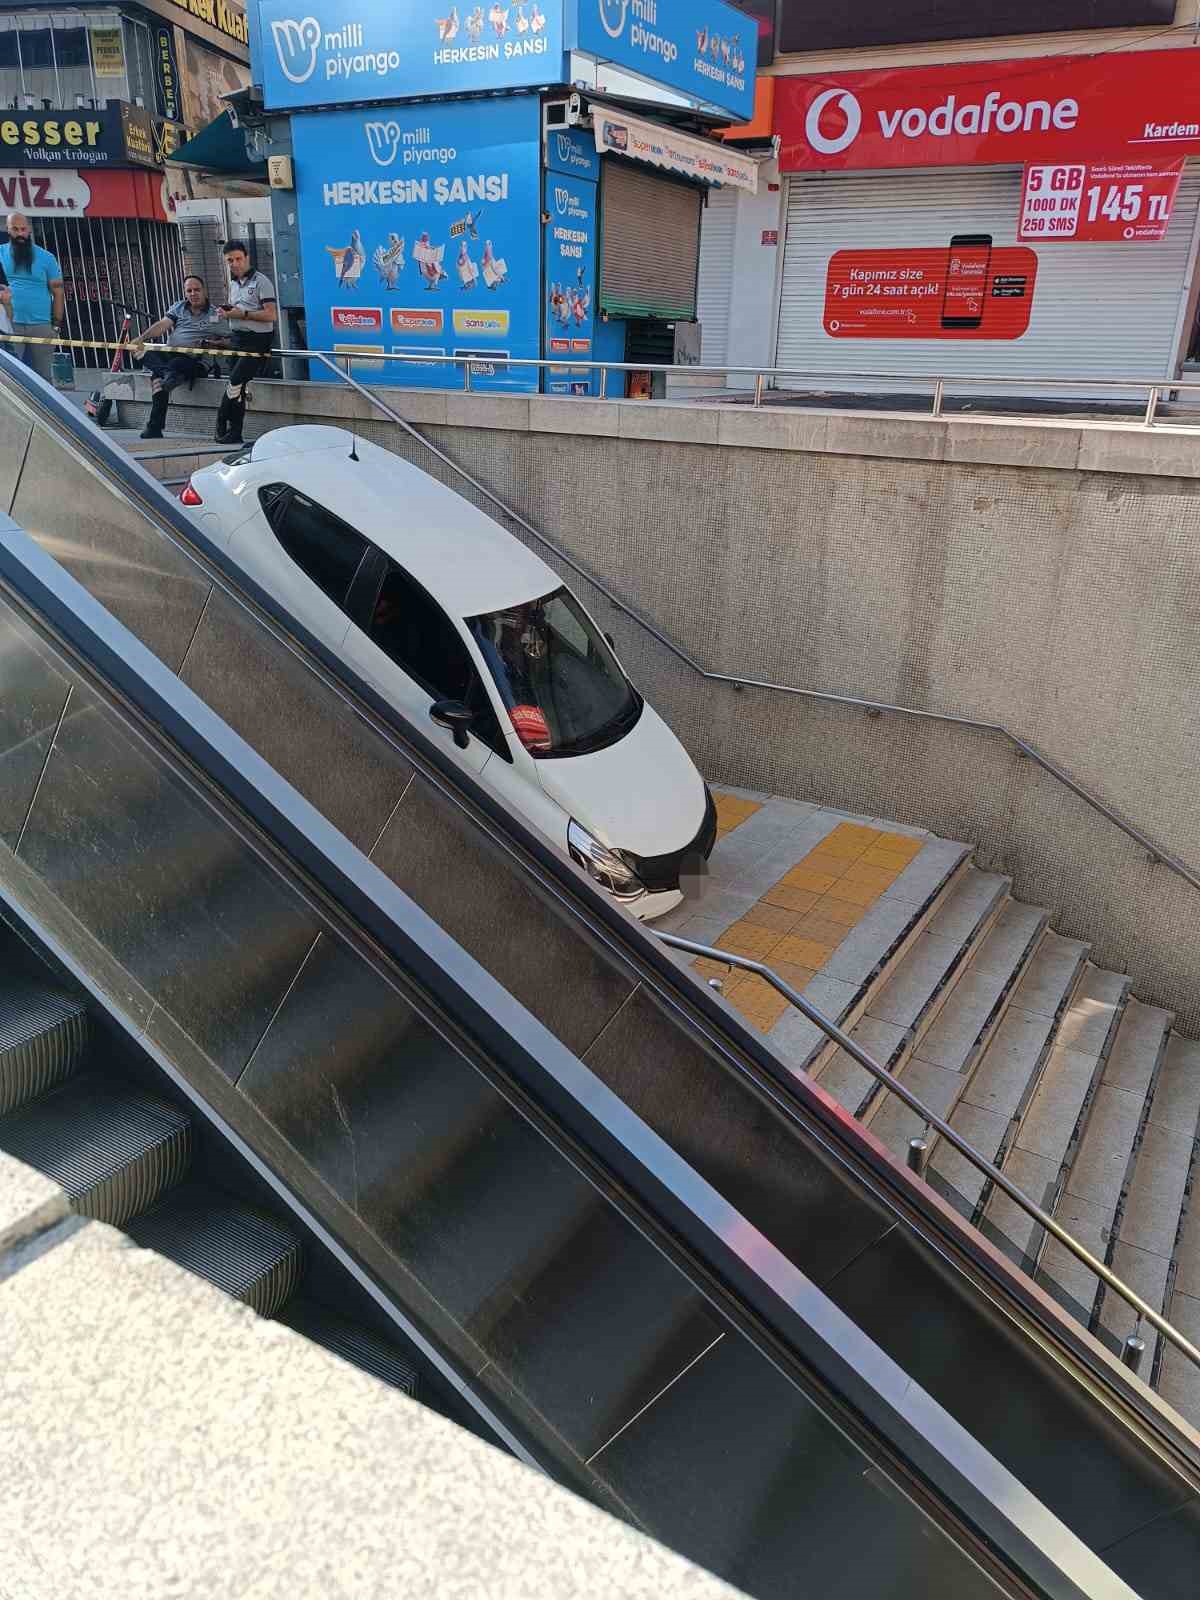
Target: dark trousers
(172,372)
(253,350)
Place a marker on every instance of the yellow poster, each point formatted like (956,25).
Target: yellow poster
(108,54)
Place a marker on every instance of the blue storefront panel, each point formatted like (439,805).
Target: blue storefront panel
(420,235)
(334,52)
(702,48)
(570,270)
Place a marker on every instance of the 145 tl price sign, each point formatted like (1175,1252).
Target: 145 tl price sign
(1099,201)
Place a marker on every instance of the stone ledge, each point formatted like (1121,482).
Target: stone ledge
(161,1438)
(1046,443)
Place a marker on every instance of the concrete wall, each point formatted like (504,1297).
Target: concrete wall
(1046,577)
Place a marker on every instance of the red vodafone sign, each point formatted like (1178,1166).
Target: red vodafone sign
(992,113)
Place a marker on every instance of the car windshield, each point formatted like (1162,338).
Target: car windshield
(558,679)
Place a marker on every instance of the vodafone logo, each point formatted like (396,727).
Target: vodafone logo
(850,109)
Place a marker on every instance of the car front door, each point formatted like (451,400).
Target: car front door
(402,641)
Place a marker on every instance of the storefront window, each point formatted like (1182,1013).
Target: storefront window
(139,63)
(71,60)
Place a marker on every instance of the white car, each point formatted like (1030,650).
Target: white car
(456,623)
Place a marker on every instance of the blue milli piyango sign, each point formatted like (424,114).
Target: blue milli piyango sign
(420,236)
(701,48)
(331,52)
(569,253)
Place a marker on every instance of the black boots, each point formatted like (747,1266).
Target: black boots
(158,415)
(229,420)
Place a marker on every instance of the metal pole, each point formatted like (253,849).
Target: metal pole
(604,383)
(1151,408)
(467,376)
(939,394)
(918,1153)
(1133,1350)
(758,388)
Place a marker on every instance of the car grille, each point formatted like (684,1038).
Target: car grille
(660,874)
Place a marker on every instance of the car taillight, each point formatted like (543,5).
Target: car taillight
(189,497)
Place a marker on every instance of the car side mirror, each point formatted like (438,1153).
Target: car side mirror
(455,717)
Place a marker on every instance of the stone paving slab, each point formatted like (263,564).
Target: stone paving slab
(1180,1385)
(161,1440)
(1177,1097)
(1050,975)
(1152,1207)
(1146,1274)
(1054,1110)
(1003,1075)
(984,1131)
(1098,1171)
(1033,1177)
(1088,1225)
(1094,1005)
(895,1124)
(30,1203)
(1135,1051)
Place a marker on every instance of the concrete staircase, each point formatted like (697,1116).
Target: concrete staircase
(1080,1093)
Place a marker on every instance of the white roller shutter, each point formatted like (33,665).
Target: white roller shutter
(1099,310)
(714,295)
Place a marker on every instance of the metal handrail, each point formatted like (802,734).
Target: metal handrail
(1154,387)
(1145,1312)
(1155,851)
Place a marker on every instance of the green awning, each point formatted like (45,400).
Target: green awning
(220,148)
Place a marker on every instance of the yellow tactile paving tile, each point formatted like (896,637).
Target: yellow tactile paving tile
(799,922)
(732,811)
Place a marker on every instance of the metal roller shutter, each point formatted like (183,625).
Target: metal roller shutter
(1099,310)
(714,295)
(651,245)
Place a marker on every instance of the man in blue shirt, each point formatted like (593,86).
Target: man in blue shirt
(38,300)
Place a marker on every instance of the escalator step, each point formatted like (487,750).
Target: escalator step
(42,1039)
(113,1150)
(242,1251)
(359,1346)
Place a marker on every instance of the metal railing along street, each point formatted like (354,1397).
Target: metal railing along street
(810,379)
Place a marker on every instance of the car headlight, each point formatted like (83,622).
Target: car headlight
(608,868)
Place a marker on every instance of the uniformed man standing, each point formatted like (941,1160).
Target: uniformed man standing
(251,312)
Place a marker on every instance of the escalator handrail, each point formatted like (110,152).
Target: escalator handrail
(692,1004)
(810,1335)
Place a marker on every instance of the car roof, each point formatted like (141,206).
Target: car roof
(462,557)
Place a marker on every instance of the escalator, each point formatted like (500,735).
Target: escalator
(704,1300)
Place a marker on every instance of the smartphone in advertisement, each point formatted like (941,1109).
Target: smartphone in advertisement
(967,266)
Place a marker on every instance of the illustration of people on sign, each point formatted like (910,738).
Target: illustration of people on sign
(494,270)
(448,26)
(537,19)
(475,25)
(389,261)
(428,258)
(468,272)
(521,21)
(348,260)
(581,304)
(560,305)
(498,17)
